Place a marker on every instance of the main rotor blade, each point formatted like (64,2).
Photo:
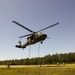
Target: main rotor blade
(22,26)
(48,27)
(24,36)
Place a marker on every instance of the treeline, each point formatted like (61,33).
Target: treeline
(48,59)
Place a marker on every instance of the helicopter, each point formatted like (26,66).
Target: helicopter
(34,37)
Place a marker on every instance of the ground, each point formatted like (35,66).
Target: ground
(61,69)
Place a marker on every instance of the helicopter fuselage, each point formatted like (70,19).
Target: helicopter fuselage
(37,37)
(32,39)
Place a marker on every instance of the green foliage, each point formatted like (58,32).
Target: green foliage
(48,59)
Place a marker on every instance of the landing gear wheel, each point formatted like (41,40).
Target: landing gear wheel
(41,42)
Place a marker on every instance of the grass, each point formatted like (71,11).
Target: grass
(68,69)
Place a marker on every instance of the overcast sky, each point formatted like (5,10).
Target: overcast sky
(37,14)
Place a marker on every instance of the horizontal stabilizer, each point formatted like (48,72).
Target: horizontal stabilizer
(18,46)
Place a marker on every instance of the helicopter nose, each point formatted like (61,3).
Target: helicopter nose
(44,35)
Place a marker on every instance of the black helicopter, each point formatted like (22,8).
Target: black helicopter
(34,37)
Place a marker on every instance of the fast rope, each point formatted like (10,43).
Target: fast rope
(29,50)
(39,49)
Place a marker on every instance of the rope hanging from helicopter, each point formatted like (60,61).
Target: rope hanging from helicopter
(29,50)
(39,49)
